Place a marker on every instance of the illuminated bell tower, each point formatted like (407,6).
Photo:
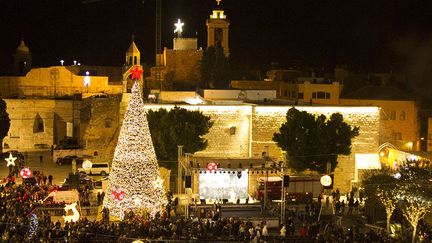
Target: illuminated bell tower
(133,55)
(22,59)
(217,29)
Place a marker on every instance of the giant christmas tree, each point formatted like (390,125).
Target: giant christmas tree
(134,182)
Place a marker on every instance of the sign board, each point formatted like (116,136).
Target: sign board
(70,196)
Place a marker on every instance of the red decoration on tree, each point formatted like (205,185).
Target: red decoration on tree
(25,173)
(118,195)
(211,167)
(136,73)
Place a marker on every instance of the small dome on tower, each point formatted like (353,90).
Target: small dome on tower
(22,48)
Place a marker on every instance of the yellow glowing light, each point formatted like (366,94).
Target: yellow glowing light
(317,109)
(75,216)
(158,183)
(194,101)
(178,27)
(218,14)
(87,165)
(137,241)
(382,154)
(367,161)
(326,180)
(11,160)
(135,168)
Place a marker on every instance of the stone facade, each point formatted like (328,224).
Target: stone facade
(100,126)
(254,127)
(399,121)
(37,123)
(54,81)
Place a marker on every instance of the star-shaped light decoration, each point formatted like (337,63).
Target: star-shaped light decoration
(11,160)
(178,27)
(158,183)
(136,73)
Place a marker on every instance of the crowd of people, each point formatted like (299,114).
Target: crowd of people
(21,221)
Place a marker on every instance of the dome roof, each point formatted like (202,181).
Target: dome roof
(133,48)
(22,48)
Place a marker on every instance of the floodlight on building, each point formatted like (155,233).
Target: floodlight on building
(75,62)
(62,62)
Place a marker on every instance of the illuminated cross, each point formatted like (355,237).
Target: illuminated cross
(11,160)
(218,2)
(179,27)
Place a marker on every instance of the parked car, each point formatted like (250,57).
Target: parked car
(84,180)
(97,168)
(68,160)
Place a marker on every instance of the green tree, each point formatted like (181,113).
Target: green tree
(215,68)
(414,191)
(178,127)
(312,142)
(4,123)
(380,186)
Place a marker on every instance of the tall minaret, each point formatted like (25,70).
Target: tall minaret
(217,29)
(21,59)
(133,54)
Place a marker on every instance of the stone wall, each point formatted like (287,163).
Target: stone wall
(182,65)
(23,113)
(229,136)
(267,121)
(252,129)
(100,126)
(54,81)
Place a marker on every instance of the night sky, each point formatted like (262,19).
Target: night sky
(366,34)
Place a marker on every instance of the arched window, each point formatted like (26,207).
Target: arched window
(402,116)
(393,115)
(108,122)
(38,125)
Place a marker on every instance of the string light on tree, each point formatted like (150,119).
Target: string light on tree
(135,170)
(33,224)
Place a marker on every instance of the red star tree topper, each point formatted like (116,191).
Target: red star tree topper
(136,73)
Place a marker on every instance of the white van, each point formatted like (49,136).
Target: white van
(97,168)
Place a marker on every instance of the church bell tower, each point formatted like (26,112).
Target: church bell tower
(217,29)
(21,60)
